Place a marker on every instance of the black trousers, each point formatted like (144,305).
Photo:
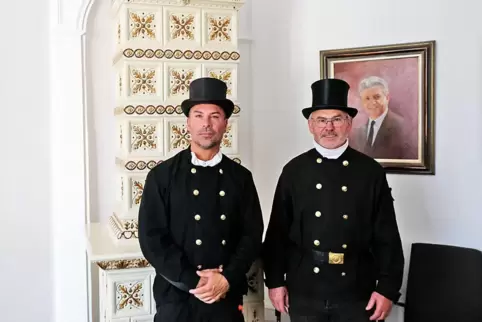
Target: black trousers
(333,312)
(193,310)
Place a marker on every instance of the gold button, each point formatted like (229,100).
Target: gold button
(343,273)
(318,214)
(195,192)
(193,170)
(197,217)
(198,242)
(344,188)
(345,217)
(223,217)
(316,270)
(318,186)
(318,160)
(345,163)
(222,193)
(316,242)
(223,242)
(344,246)
(221,171)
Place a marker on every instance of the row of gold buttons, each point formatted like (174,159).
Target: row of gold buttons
(196,193)
(345,163)
(199,242)
(316,242)
(198,217)
(193,171)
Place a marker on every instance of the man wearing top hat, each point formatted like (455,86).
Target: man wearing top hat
(332,250)
(200,222)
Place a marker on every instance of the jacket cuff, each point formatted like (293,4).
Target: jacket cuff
(275,282)
(388,292)
(190,278)
(231,278)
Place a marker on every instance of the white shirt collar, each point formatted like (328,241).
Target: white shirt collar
(209,163)
(331,153)
(379,120)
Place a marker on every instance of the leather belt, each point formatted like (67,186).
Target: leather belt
(326,257)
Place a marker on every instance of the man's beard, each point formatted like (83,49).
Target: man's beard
(207,146)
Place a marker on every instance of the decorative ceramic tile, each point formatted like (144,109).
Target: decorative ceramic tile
(182,26)
(177,136)
(118,33)
(130,187)
(146,137)
(143,24)
(226,73)
(178,54)
(138,165)
(166,110)
(120,191)
(119,85)
(219,28)
(137,189)
(229,143)
(130,293)
(178,79)
(120,136)
(144,81)
(151,110)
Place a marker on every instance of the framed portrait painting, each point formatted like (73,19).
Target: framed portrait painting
(392,87)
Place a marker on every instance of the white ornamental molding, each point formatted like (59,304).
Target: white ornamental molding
(217,4)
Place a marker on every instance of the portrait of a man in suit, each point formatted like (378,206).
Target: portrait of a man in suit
(384,135)
(392,88)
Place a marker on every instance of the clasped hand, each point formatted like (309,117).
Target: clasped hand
(211,287)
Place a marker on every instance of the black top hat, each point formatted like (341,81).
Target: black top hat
(330,94)
(208,90)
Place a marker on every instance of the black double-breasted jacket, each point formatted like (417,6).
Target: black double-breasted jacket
(332,233)
(193,218)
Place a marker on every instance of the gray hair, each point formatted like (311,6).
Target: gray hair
(373,81)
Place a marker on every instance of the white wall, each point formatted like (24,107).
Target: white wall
(25,248)
(286,42)
(100,40)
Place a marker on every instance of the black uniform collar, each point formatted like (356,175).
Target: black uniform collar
(345,157)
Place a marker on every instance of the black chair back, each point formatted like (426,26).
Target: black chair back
(444,284)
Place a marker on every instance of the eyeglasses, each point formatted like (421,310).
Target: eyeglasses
(322,122)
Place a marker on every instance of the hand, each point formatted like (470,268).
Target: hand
(211,287)
(279,298)
(203,280)
(382,304)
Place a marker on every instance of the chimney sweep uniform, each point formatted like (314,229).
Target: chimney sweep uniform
(332,238)
(197,215)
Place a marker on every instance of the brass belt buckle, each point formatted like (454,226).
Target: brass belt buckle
(335,258)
